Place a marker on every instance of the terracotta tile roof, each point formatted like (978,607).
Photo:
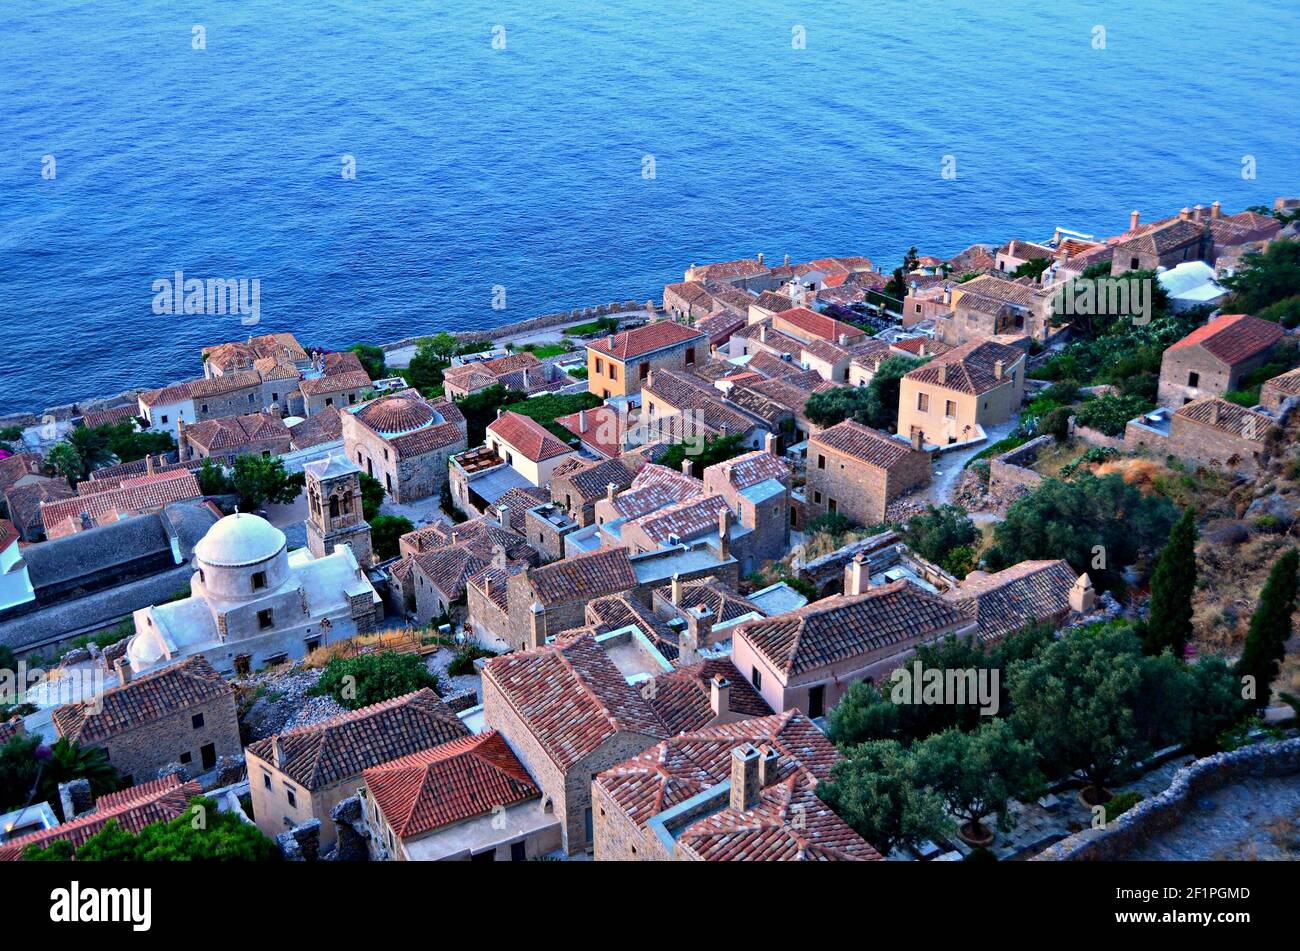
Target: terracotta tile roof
(646,339)
(143,700)
(974,258)
(1233,338)
(654,487)
(721,601)
(324,425)
(430,439)
(592,479)
(145,790)
(492,581)
(571,698)
(153,493)
(848,626)
(107,417)
(863,444)
(997,287)
(729,270)
(819,325)
(582,577)
(447,569)
(282,347)
(392,415)
(1025,250)
(791,391)
(132,814)
(684,520)
(615,611)
(341,361)
(604,430)
(918,346)
(770,365)
(720,326)
(1162,237)
(529,438)
(19,466)
(518,501)
(336,383)
(682,698)
(686,392)
(825,350)
(690,764)
(751,468)
(970,368)
(8,533)
(1228,418)
(341,748)
(450,783)
(1288,382)
(177,393)
(231,432)
(774,303)
(225,383)
(26,501)
(1008,600)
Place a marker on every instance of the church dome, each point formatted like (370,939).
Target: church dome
(396,414)
(240,539)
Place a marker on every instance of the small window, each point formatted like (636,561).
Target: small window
(266,780)
(186,759)
(831,506)
(817,498)
(950,409)
(690,356)
(518,851)
(205,407)
(164,419)
(388,481)
(196,721)
(923,402)
(329,401)
(644,370)
(252,397)
(293,800)
(259,580)
(275,397)
(821,461)
(613,371)
(756,677)
(1133,264)
(264,619)
(600,365)
(1193,379)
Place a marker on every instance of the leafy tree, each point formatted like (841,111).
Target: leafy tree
(828,407)
(212,478)
(1216,704)
(863,713)
(546,408)
(126,442)
(1270,627)
(1098,524)
(443,345)
(979,772)
(1266,278)
(426,367)
(875,405)
(1033,268)
(830,523)
(200,834)
(385,532)
(359,681)
(1173,582)
(64,459)
(27,765)
(1110,413)
(481,408)
(876,789)
(716,449)
(372,360)
(938,530)
(262,479)
(372,497)
(92,448)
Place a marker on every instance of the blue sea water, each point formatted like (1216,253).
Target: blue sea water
(523,166)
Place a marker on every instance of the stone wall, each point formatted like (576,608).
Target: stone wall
(560,318)
(1095,437)
(1012,468)
(141,752)
(1167,810)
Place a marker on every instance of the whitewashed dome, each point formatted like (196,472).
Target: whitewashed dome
(240,539)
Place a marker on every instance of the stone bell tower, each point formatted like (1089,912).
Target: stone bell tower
(334,509)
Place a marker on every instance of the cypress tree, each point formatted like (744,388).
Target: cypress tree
(1270,626)
(1173,581)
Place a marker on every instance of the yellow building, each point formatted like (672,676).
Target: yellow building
(617,365)
(955,397)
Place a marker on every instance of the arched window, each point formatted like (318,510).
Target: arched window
(334,506)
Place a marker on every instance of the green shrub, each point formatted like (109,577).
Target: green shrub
(1109,414)
(1120,804)
(360,681)
(463,663)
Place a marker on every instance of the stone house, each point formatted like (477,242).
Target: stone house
(304,773)
(749,274)
(678,407)
(405,442)
(520,372)
(568,714)
(256,352)
(135,496)
(1164,245)
(857,471)
(756,487)
(1278,390)
(468,799)
(1213,359)
(183,714)
(743,791)
(1210,431)
(992,306)
(807,326)
(257,434)
(618,365)
(1015,253)
(339,389)
(954,397)
(544,601)
(809,657)
(1032,592)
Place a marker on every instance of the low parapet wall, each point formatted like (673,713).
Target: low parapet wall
(1012,468)
(1167,810)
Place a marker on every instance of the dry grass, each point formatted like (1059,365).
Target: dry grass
(391,639)
(1056,456)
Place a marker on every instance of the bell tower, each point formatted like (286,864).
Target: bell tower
(334,515)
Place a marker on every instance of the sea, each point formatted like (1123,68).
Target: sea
(388,168)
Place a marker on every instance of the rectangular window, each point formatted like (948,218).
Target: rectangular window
(816,701)
(831,505)
(821,461)
(923,402)
(388,480)
(756,677)
(208,755)
(950,409)
(329,401)
(613,371)
(600,365)
(644,370)
(690,356)
(293,800)
(205,407)
(518,852)
(817,498)
(164,419)
(186,758)
(196,721)
(264,619)
(266,780)
(259,580)
(1193,379)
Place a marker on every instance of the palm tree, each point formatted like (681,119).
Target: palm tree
(70,760)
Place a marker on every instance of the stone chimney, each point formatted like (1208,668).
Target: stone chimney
(699,624)
(1216,209)
(148,464)
(582,421)
(857,575)
(687,651)
(1214,412)
(1197,212)
(677,588)
(1185,214)
(844,340)
(744,777)
(943,373)
(498,556)
(182,447)
(786,261)
(122,667)
(76,798)
(1133,218)
(503,515)
(918,439)
(769,761)
(762,333)
(537,629)
(720,696)
(998,369)
(87,523)
(1083,598)
(769,444)
(278,757)
(611,491)
(724,533)
(686,467)
(609,341)
(947,293)
(760,257)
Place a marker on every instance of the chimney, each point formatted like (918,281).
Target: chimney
(687,652)
(769,761)
(918,439)
(1083,599)
(769,444)
(87,523)
(537,631)
(503,515)
(857,576)
(123,668)
(786,262)
(1197,212)
(844,340)
(609,341)
(1216,209)
(762,333)
(760,257)
(686,467)
(277,752)
(699,625)
(677,588)
(182,447)
(498,556)
(582,421)
(1133,220)
(611,491)
(1185,214)
(148,464)
(998,369)
(744,777)
(1214,412)
(720,696)
(724,533)
(943,373)
(947,293)
(500,410)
